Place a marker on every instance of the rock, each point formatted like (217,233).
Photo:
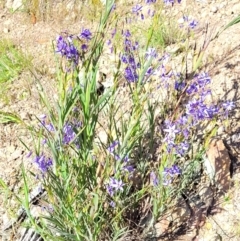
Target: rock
(220,130)
(206,195)
(15,155)
(102,137)
(235,138)
(6,30)
(180,21)
(161,226)
(180,214)
(17,4)
(217,164)
(214,9)
(9,3)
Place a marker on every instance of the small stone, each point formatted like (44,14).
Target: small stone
(180,20)
(17,4)
(9,4)
(180,213)
(206,195)
(214,9)
(220,130)
(15,155)
(6,30)
(161,226)
(235,138)
(217,164)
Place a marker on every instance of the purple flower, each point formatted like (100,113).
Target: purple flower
(112,204)
(113,33)
(113,7)
(164,59)
(203,79)
(110,190)
(68,134)
(151,52)
(193,24)
(131,74)
(182,120)
(210,111)
(182,148)
(170,173)
(150,1)
(114,185)
(124,59)
(84,47)
(111,148)
(185,18)
(186,133)
(195,108)
(154,179)
(168,1)
(171,129)
(179,85)
(149,71)
(193,88)
(43,163)
(86,34)
(50,127)
(61,45)
(29,154)
(128,168)
(136,9)
(135,46)
(67,49)
(127,34)
(228,105)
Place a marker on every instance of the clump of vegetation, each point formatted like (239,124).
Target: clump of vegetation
(104,188)
(12,61)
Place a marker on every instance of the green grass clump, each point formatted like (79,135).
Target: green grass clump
(12,61)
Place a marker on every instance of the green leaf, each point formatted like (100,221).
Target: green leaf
(8,117)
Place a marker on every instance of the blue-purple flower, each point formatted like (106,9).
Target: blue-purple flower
(67,49)
(228,106)
(170,173)
(112,147)
(86,34)
(43,163)
(68,134)
(114,186)
(151,53)
(171,130)
(131,74)
(154,179)
(136,9)
(193,24)
(150,1)
(168,1)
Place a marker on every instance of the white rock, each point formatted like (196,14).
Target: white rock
(214,9)
(9,4)
(17,4)
(6,30)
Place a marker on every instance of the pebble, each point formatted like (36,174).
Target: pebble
(220,130)
(6,30)
(214,9)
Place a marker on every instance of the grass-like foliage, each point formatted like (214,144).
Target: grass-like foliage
(12,61)
(112,163)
